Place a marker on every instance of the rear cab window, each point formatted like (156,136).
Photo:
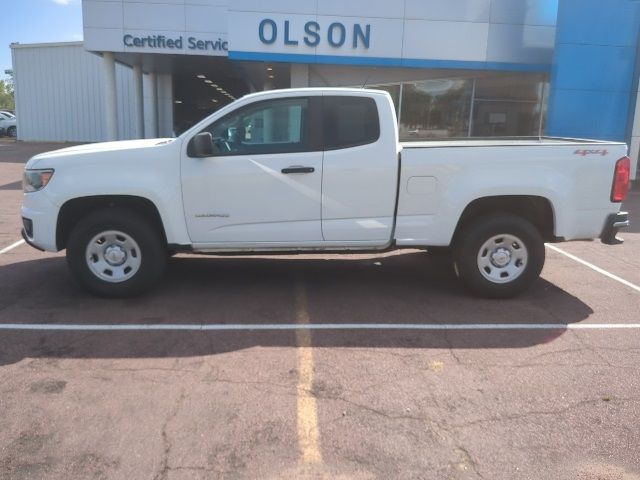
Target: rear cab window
(350,122)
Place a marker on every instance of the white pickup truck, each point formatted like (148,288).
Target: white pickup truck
(317,170)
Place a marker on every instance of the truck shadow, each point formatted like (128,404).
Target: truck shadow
(12,186)
(412,287)
(632,205)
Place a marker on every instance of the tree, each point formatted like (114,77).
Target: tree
(7,101)
(415,106)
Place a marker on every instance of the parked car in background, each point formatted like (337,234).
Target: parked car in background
(8,125)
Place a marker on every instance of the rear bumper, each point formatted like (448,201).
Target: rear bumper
(614,223)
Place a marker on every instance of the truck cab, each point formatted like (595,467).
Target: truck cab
(312,171)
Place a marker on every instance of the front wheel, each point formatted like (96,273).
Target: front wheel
(116,253)
(499,256)
(12,132)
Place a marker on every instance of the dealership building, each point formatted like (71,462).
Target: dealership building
(455,68)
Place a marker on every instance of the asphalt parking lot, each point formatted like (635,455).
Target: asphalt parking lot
(557,396)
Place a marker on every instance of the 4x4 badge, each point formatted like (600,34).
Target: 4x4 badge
(213,215)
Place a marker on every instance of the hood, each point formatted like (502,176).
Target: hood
(100,148)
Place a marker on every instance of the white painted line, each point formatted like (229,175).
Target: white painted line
(316,326)
(12,246)
(595,268)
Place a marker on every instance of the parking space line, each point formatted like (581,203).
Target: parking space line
(303,339)
(595,268)
(308,432)
(12,246)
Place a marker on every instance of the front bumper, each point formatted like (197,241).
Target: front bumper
(39,216)
(29,241)
(614,223)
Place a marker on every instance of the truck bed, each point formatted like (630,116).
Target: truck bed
(439,179)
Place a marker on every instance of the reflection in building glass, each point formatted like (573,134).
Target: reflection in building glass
(494,105)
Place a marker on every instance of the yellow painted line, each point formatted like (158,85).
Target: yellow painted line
(308,432)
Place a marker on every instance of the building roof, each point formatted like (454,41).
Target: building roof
(46,45)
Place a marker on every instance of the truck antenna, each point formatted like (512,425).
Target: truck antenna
(366,80)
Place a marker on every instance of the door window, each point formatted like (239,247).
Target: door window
(272,126)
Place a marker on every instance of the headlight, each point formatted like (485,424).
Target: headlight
(34,180)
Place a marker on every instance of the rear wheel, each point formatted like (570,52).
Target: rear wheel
(499,256)
(12,132)
(116,253)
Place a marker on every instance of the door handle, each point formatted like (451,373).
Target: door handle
(297,169)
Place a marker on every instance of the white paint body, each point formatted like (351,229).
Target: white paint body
(244,203)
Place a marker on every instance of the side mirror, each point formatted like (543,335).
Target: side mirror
(202,145)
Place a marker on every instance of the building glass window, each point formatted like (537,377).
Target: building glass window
(508,106)
(492,105)
(435,109)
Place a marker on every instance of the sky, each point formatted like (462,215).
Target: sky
(35,21)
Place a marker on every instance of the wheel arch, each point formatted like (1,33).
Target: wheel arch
(73,210)
(536,209)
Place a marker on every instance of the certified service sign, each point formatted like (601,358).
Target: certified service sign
(194,45)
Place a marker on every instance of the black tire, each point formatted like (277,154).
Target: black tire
(153,255)
(12,132)
(473,237)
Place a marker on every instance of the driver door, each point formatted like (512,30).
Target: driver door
(262,186)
